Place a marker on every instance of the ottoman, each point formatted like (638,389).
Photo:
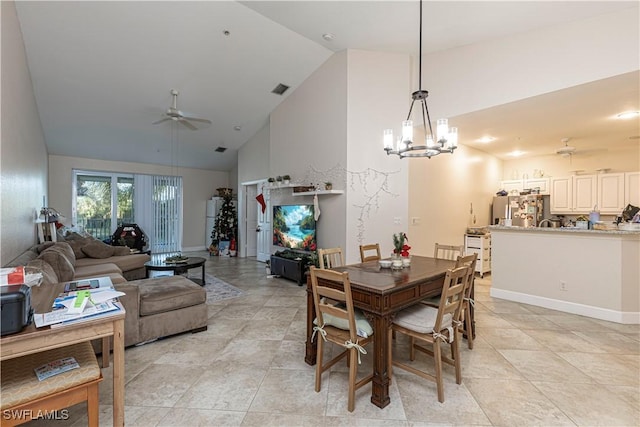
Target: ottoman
(162,306)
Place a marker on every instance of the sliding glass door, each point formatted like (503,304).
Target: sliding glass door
(102,201)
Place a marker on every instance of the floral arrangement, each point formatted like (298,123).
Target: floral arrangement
(400,246)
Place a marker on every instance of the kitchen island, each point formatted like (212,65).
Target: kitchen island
(593,273)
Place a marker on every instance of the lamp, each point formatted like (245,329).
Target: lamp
(50,215)
(447,138)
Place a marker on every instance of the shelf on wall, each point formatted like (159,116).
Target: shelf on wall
(318,192)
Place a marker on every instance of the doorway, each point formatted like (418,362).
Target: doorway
(256,231)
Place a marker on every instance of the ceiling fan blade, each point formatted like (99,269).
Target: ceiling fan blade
(187,124)
(161,120)
(195,119)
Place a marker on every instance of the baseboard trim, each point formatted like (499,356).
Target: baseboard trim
(194,249)
(625,317)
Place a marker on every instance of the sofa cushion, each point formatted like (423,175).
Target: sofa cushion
(98,249)
(49,276)
(126,263)
(97,270)
(55,256)
(121,251)
(168,293)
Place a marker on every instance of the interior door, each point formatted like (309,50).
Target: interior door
(263,229)
(251,207)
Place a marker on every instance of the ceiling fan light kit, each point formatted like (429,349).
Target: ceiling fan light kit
(446,138)
(173,113)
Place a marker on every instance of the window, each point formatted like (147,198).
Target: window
(152,202)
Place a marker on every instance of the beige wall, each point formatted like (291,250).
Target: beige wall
(253,157)
(442,192)
(198,186)
(23,162)
(308,130)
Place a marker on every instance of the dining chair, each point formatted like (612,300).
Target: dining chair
(450,252)
(432,325)
(467,261)
(331,257)
(340,324)
(364,249)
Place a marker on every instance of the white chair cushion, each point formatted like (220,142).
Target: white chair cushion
(421,318)
(363,326)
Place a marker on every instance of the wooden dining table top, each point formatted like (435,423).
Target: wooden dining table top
(373,278)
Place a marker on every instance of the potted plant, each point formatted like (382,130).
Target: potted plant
(286,179)
(271,181)
(328,185)
(279,179)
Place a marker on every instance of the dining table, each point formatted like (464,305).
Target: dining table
(380,293)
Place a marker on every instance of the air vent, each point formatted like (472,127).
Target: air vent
(221,149)
(280,89)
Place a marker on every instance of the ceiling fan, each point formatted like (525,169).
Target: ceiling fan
(174,114)
(567,150)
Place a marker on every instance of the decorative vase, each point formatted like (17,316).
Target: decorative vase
(328,186)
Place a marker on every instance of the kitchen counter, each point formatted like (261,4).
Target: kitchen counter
(593,273)
(563,230)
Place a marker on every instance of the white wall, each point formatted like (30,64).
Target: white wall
(483,75)
(253,157)
(378,97)
(308,141)
(23,162)
(199,185)
(442,192)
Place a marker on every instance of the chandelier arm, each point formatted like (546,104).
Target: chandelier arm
(429,121)
(410,109)
(424,117)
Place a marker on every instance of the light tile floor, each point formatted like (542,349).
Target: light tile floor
(529,366)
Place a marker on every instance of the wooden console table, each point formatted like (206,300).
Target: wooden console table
(381,293)
(32,340)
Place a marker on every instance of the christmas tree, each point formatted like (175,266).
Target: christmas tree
(226,224)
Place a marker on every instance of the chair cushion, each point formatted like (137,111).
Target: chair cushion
(363,326)
(19,381)
(420,318)
(168,293)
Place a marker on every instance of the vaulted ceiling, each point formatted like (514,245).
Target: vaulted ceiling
(102,71)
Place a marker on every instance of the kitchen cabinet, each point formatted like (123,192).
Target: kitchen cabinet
(480,245)
(575,194)
(632,188)
(511,185)
(523,184)
(611,193)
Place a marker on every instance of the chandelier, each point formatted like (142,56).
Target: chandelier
(447,138)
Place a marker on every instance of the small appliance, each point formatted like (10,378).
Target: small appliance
(15,308)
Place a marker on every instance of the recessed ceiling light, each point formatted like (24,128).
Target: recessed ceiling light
(486,139)
(516,153)
(628,115)
(237,127)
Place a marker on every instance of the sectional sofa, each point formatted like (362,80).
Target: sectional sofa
(155,307)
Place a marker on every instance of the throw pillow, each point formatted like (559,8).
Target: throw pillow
(77,246)
(40,266)
(61,265)
(98,249)
(121,250)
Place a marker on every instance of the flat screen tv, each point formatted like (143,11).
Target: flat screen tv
(294,227)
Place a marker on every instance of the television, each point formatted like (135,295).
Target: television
(294,227)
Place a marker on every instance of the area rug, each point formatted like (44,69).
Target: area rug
(219,290)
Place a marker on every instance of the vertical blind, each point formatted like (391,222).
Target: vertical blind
(158,209)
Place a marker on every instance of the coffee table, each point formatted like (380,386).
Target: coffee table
(158,263)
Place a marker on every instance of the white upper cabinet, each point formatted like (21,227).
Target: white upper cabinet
(632,189)
(574,194)
(526,184)
(562,195)
(611,193)
(511,185)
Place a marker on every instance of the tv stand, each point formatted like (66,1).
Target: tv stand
(290,265)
